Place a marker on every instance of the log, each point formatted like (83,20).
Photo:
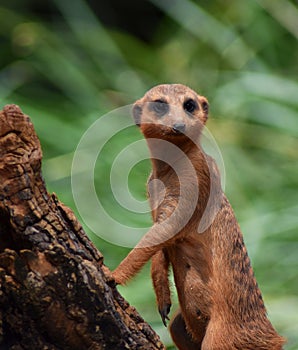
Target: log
(53,291)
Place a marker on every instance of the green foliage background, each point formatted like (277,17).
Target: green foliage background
(243,55)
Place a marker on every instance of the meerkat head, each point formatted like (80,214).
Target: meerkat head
(172,112)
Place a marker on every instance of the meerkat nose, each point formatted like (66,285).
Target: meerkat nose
(179,128)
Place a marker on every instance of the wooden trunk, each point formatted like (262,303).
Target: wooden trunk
(53,292)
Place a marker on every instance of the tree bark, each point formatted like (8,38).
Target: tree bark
(53,291)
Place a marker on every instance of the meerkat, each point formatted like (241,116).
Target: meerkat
(195,232)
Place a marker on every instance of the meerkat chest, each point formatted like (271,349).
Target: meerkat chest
(191,254)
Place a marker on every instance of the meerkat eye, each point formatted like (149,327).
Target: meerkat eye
(160,107)
(190,105)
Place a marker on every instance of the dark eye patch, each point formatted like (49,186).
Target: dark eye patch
(190,105)
(160,107)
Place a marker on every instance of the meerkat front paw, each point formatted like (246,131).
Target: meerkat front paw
(164,312)
(109,276)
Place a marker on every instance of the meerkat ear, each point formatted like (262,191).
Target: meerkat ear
(137,113)
(205,107)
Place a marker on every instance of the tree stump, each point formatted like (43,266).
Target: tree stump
(53,291)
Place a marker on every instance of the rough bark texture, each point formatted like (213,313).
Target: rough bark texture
(53,292)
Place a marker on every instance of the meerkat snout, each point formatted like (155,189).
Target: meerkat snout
(179,128)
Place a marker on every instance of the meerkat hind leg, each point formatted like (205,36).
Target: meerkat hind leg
(181,337)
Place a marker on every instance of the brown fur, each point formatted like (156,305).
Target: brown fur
(221,306)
